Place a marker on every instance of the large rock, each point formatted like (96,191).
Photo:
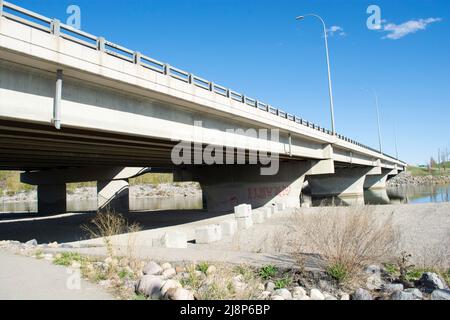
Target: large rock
(431,281)
(362,294)
(179,294)
(150,285)
(169,284)
(152,268)
(169,273)
(409,294)
(270,286)
(283,293)
(298,293)
(392,287)
(374,282)
(440,295)
(315,294)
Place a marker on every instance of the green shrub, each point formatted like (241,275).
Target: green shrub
(268,272)
(67,258)
(203,267)
(338,271)
(284,282)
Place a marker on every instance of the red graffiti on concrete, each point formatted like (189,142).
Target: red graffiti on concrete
(268,192)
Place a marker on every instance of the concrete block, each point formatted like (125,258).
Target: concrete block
(229,227)
(244,223)
(208,234)
(281,206)
(274,209)
(174,239)
(243,211)
(258,216)
(267,212)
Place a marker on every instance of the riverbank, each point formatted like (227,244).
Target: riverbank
(407,178)
(258,263)
(155,191)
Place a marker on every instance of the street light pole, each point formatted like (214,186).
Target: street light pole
(328,66)
(378,120)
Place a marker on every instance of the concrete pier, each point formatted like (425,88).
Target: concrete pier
(51,198)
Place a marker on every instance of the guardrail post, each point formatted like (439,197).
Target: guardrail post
(167,69)
(56,27)
(101,44)
(191,78)
(243,98)
(228,93)
(137,58)
(1,8)
(211,86)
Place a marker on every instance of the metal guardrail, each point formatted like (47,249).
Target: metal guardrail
(54,26)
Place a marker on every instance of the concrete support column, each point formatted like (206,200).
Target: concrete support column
(345,182)
(376,181)
(113,195)
(51,198)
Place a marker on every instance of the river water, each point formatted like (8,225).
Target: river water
(406,194)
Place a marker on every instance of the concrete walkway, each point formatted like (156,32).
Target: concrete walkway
(24,278)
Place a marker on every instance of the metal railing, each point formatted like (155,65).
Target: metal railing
(54,26)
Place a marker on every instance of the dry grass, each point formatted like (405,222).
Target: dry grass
(107,224)
(346,239)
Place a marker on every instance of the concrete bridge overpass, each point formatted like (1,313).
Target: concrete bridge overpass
(76,107)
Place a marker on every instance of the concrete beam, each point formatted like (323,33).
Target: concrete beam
(83,174)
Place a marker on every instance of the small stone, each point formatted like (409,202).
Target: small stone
(152,268)
(392,287)
(265,295)
(440,295)
(150,285)
(179,269)
(416,293)
(275,297)
(211,270)
(53,245)
(431,281)
(361,294)
(66,246)
(270,286)
(169,273)
(179,294)
(328,297)
(166,266)
(315,294)
(169,284)
(298,293)
(283,293)
(31,243)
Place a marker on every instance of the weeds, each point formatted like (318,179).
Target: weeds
(347,241)
(203,267)
(268,272)
(67,258)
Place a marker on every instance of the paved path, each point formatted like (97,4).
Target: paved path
(24,278)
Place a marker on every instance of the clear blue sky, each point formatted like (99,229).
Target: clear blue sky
(256,47)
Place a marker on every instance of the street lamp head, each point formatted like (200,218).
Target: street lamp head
(300,18)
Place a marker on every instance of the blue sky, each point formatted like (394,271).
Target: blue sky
(258,48)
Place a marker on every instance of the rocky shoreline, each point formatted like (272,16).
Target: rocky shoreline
(150,280)
(160,191)
(406,178)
